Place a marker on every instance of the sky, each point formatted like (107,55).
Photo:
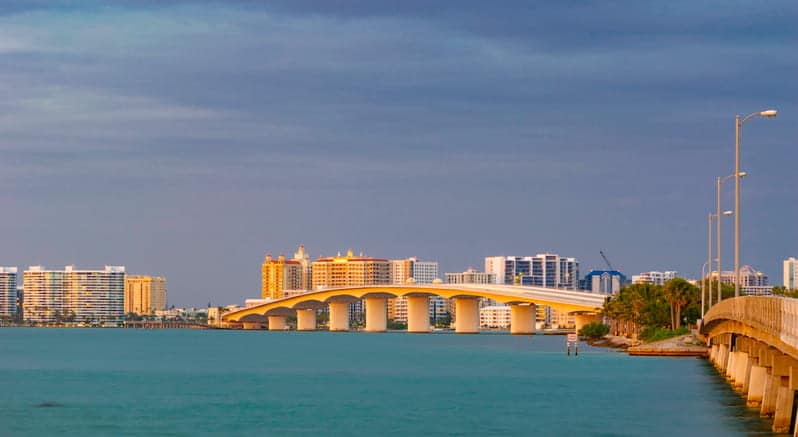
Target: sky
(190,138)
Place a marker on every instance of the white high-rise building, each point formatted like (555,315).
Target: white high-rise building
(791,273)
(542,270)
(653,277)
(8,291)
(86,296)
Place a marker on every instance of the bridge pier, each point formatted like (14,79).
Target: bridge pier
(713,354)
(756,387)
(418,314)
(376,314)
(723,357)
(339,316)
(740,369)
(466,311)
(522,319)
(782,414)
(772,383)
(277,323)
(306,320)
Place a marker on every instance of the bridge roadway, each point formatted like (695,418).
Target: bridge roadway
(754,343)
(522,301)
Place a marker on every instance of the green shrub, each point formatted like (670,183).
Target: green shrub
(594,330)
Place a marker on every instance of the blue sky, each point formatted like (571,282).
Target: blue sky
(188,139)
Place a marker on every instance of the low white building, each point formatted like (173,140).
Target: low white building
(653,277)
(496,316)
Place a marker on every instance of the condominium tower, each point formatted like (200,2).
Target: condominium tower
(145,294)
(350,270)
(8,292)
(542,270)
(279,274)
(791,273)
(87,296)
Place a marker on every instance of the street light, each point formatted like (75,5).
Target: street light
(704,284)
(721,181)
(738,124)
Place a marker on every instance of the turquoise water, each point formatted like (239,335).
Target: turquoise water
(117,382)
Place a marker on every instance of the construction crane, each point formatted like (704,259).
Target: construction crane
(609,264)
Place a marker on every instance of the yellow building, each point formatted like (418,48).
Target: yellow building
(145,294)
(280,274)
(350,270)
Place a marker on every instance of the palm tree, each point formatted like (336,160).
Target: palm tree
(677,293)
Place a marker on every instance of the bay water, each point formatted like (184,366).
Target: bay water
(127,382)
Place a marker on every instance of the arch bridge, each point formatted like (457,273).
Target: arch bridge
(754,343)
(522,301)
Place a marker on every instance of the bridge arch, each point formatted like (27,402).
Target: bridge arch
(464,296)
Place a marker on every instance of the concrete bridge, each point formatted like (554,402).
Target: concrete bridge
(754,343)
(522,301)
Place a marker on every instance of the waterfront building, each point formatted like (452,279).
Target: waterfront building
(83,296)
(350,271)
(604,281)
(471,276)
(653,277)
(44,294)
(8,292)
(791,273)
(145,294)
(542,270)
(95,296)
(497,316)
(278,274)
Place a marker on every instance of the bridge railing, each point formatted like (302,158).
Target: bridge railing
(776,316)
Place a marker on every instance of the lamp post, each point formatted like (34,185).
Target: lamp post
(704,284)
(738,124)
(709,259)
(721,181)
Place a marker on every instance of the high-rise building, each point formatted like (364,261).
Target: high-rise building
(542,270)
(471,276)
(95,296)
(85,296)
(44,294)
(654,277)
(145,294)
(791,273)
(749,277)
(8,292)
(280,274)
(349,271)
(604,281)
(303,258)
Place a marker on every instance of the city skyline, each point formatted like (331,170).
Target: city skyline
(199,136)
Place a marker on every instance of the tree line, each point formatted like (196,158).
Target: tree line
(668,306)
